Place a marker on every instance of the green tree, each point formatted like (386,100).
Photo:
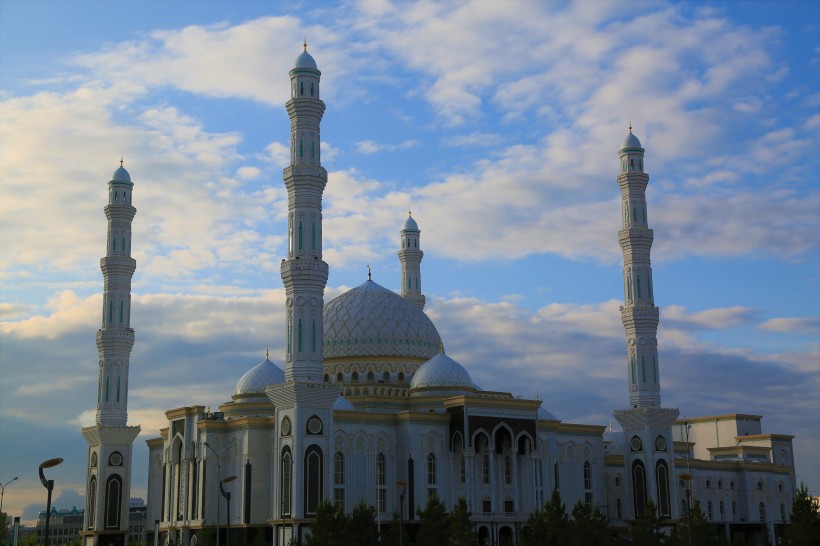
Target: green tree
(259,538)
(390,534)
(804,522)
(207,535)
(361,528)
(587,527)
(330,527)
(5,528)
(703,531)
(647,530)
(28,540)
(433,524)
(547,526)
(461,525)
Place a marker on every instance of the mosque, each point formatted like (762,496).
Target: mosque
(367,406)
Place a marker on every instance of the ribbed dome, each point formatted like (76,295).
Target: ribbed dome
(546,415)
(121,175)
(631,142)
(259,377)
(615,442)
(441,371)
(371,320)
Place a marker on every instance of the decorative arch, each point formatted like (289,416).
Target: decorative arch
(286,479)
(457,441)
(662,482)
(113,501)
(639,488)
(92,501)
(502,432)
(313,478)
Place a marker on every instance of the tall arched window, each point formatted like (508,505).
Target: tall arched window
(431,474)
(643,369)
(639,488)
(555,477)
(299,337)
(312,150)
(339,481)
(287,475)
(632,362)
(313,335)
(92,501)
(313,479)
(381,483)
(507,470)
(638,285)
(709,513)
(301,148)
(587,484)
(313,236)
(106,388)
(301,235)
(118,388)
(113,502)
(619,512)
(662,478)
(761,509)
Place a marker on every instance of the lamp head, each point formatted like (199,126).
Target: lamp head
(228,479)
(49,463)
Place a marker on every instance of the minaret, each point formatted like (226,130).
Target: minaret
(649,460)
(110,439)
(410,256)
(638,314)
(304,401)
(304,273)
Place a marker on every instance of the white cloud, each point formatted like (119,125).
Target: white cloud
(369,147)
(792,325)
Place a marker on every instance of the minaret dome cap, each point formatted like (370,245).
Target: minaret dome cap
(631,141)
(305,60)
(410,224)
(121,175)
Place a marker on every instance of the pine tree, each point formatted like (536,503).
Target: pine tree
(703,531)
(433,524)
(330,527)
(360,526)
(587,527)
(461,526)
(647,530)
(804,522)
(391,535)
(547,526)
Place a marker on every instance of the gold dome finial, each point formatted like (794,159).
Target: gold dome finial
(630,127)
(267,355)
(121,161)
(369,278)
(441,346)
(304,44)
(610,424)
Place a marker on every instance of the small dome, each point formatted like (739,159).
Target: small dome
(442,371)
(410,224)
(342,403)
(121,175)
(615,442)
(546,415)
(305,60)
(259,377)
(631,141)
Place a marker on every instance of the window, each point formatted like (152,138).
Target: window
(619,513)
(486,505)
(386,376)
(380,470)
(587,484)
(734,508)
(485,466)
(639,488)
(431,470)
(92,501)
(339,480)
(339,377)
(709,511)
(507,470)
(299,337)
(722,508)
(760,485)
(555,477)
(761,508)
(401,376)
(113,502)
(732,485)
(287,471)
(118,389)
(462,468)
(720,484)
(782,512)
(662,477)
(708,484)
(509,506)
(633,369)
(643,369)
(370,376)
(313,479)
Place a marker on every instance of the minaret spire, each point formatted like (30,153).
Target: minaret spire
(410,256)
(110,439)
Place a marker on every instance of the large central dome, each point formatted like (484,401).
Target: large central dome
(371,320)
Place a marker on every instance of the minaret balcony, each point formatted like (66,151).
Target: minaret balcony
(118,265)
(640,317)
(306,108)
(304,273)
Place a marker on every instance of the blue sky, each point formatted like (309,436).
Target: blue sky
(500,131)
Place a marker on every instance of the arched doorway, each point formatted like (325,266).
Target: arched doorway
(483,536)
(505,536)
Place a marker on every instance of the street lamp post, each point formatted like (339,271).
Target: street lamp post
(49,485)
(227,495)
(686,426)
(403,486)
(219,476)
(3,492)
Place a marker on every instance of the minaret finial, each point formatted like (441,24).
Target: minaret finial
(267,354)
(304,44)
(369,278)
(610,424)
(630,127)
(121,161)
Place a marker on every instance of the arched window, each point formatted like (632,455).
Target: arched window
(327,378)
(110,312)
(114,241)
(761,508)
(555,477)
(732,485)
(587,484)
(638,285)
(123,244)
(313,479)
(118,388)
(619,512)
(760,485)
(301,88)
(655,369)
(401,376)
(734,508)
(106,388)
(708,484)
(485,463)
(313,335)
(92,501)
(301,148)
(113,502)
(639,488)
(313,236)
(722,510)
(662,478)
(339,377)
(339,480)
(290,331)
(354,376)
(386,376)
(431,474)
(370,376)
(782,512)
(643,369)
(462,470)
(633,369)
(287,475)
(634,215)
(381,483)
(301,235)
(709,515)
(629,288)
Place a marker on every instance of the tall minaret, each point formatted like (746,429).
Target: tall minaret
(638,314)
(304,273)
(410,256)
(646,426)
(110,439)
